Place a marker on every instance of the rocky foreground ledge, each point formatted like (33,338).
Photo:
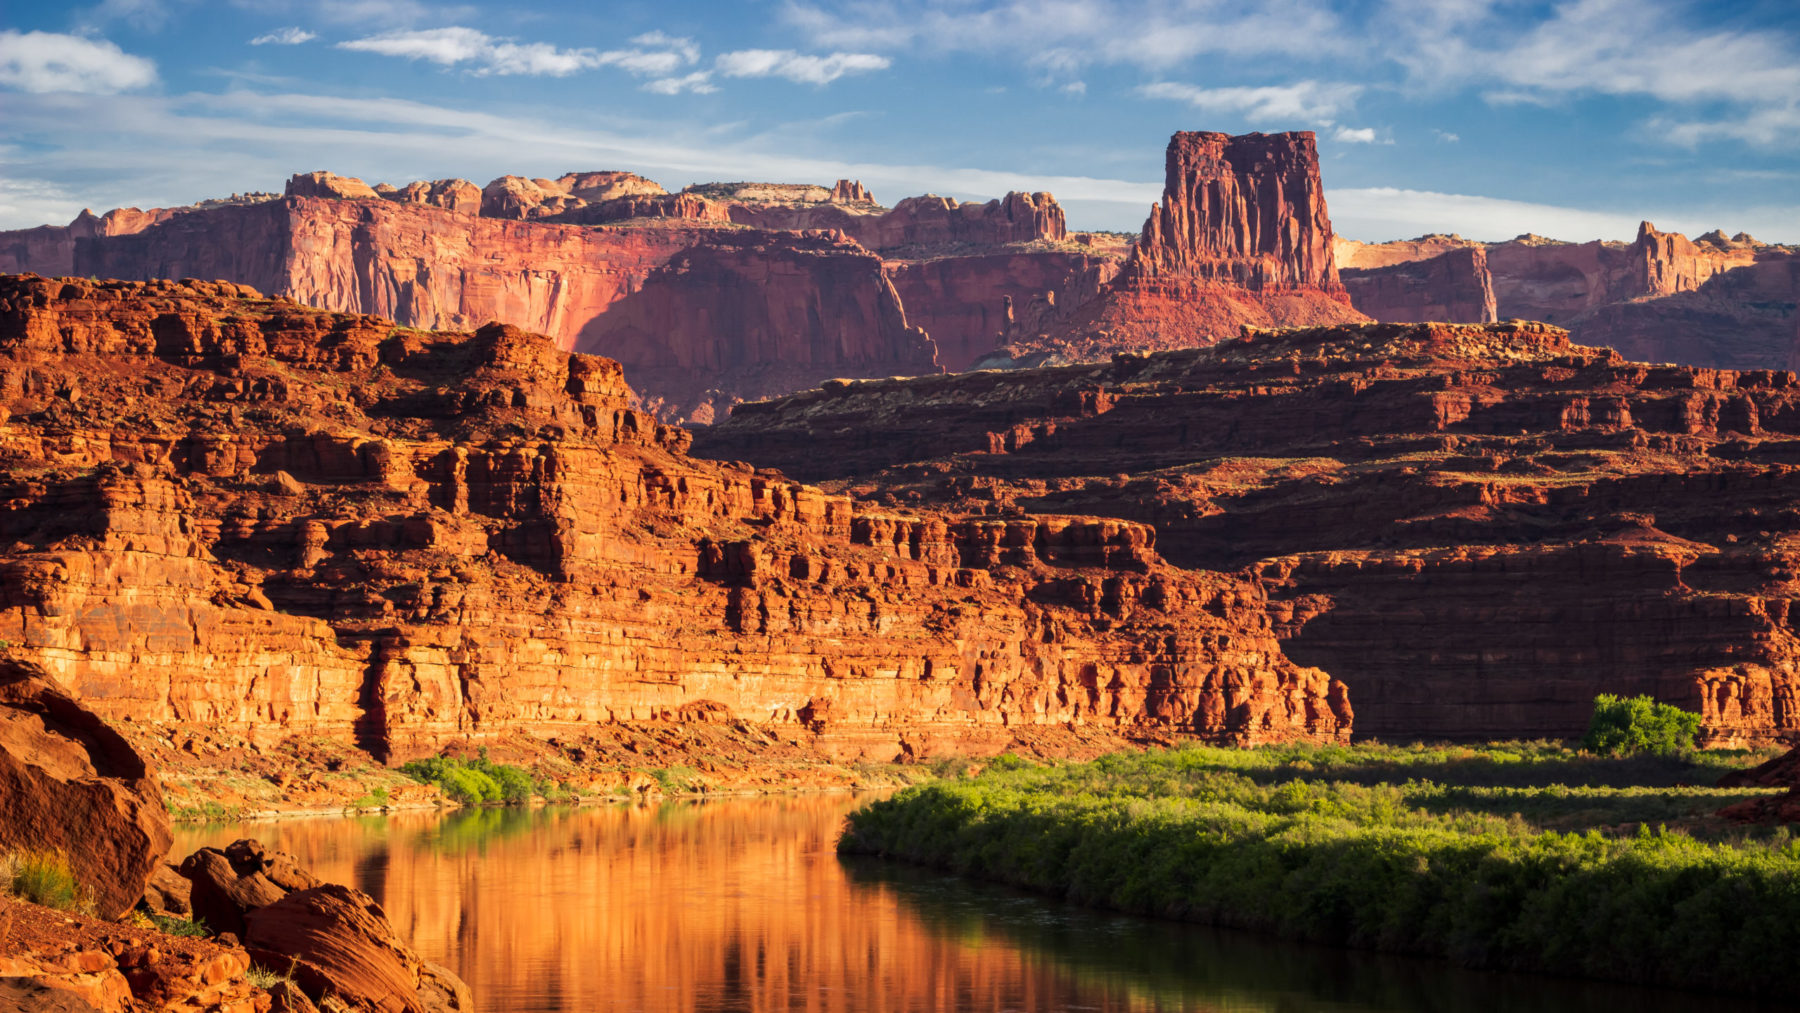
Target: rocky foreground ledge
(100,923)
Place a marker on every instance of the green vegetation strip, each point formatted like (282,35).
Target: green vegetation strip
(1331,845)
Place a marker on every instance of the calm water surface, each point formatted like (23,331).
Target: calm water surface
(744,905)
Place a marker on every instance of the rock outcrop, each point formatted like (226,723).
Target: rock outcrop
(1477,528)
(227,884)
(330,185)
(1242,237)
(70,784)
(338,945)
(55,961)
(1454,286)
(234,513)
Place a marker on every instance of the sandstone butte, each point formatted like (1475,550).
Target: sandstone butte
(229,512)
(709,296)
(1476,527)
(1712,301)
(1241,237)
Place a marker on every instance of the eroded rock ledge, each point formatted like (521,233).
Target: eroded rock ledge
(1477,528)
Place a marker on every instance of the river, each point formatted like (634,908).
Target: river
(744,905)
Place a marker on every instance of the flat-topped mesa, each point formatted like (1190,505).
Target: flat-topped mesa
(928,224)
(233,513)
(1249,210)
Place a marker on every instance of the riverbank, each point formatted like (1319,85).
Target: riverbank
(210,776)
(1520,856)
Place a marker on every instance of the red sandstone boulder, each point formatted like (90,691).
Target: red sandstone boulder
(69,783)
(229,884)
(337,943)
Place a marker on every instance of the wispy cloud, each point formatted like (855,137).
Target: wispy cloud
(799,67)
(1155,34)
(1377,214)
(1303,101)
(292,36)
(1354,135)
(654,54)
(48,62)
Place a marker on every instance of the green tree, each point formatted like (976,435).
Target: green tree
(1623,726)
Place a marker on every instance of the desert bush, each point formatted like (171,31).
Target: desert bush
(44,877)
(1626,726)
(477,781)
(176,925)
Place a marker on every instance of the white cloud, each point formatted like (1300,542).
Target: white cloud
(284,37)
(1308,101)
(1075,88)
(47,62)
(658,55)
(1767,127)
(800,67)
(149,15)
(1354,135)
(1446,136)
(439,45)
(682,45)
(699,82)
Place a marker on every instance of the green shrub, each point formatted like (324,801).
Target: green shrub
(1625,726)
(177,926)
(1254,839)
(44,877)
(477,781)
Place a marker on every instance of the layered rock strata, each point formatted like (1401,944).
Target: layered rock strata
(1477,528)
(703,316)
(232,512)
(1455,286)
(1661,298)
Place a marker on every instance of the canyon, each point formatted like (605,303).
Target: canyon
(231,514)
(1476,527)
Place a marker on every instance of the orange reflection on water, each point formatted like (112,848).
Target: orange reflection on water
(741,905)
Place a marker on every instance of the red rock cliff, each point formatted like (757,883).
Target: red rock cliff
(1454,286)
(1477,528)
(234,513)
(708,315)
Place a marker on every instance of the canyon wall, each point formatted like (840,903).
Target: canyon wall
(1477,528)
(705,316)
(1715,301)
(1454,286)
(234,513)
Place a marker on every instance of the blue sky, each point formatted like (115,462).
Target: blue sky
(1486,117)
